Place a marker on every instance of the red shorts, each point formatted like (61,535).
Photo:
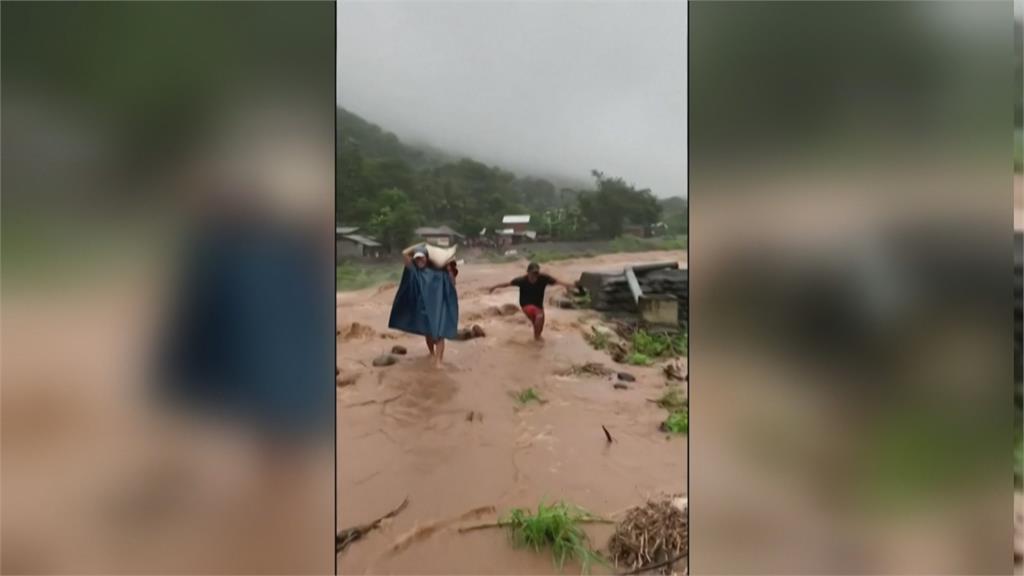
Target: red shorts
(532,312)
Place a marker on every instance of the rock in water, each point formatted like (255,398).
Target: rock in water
(384,360)
(474,331)
(400,350)
(627,377)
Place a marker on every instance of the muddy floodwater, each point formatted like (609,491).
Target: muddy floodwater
(463,451)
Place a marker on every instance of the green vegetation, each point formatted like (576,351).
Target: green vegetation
(557,527)
(528,395)
(659,345)
(672,400)
(350,276)
(635,244)
(638,359)
(581,300)
(678,421)
(390,188)
(621,244)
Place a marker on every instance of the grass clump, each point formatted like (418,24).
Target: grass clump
(555,526)
(638,359)
(659,345)
(672,400)
(528,395)
(678,421)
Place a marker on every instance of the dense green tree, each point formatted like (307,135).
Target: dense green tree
(395,219)
(615,203)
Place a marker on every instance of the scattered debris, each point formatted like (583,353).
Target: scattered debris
(591,368)
(674,371)
(423,532)
(474,331)
(625,291)
(384,360)
(350,535)
(400,350)
(607,434)
(356,330)
(620,386)
(619,353)
(626,377)
(652,537)
(348,380)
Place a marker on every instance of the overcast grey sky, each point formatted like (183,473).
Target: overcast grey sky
(547,87)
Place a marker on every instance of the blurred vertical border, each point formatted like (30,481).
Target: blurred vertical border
(851,174)
(167,287)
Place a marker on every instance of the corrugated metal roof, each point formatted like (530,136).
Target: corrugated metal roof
(361,240)
(516,219)
(436,231)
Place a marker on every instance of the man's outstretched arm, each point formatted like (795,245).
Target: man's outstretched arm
(498,286)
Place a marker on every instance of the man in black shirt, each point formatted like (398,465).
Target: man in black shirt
(531,295)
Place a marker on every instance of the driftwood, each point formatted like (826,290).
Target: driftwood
(350,535)
(656,566)
(607,434)
(474,527)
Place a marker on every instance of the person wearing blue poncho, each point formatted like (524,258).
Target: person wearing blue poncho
(426,302)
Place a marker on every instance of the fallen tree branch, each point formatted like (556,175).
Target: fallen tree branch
(651,567)
(350,535)
(504,524)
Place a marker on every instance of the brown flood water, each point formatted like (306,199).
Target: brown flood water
(404,430)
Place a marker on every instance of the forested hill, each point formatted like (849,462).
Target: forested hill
(375,142)
(390,187)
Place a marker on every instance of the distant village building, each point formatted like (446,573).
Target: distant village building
(349,244)
(518,223)
(439,236)
(515,230)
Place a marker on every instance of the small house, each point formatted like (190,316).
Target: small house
(518,223)
(439,236)
(349,244)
